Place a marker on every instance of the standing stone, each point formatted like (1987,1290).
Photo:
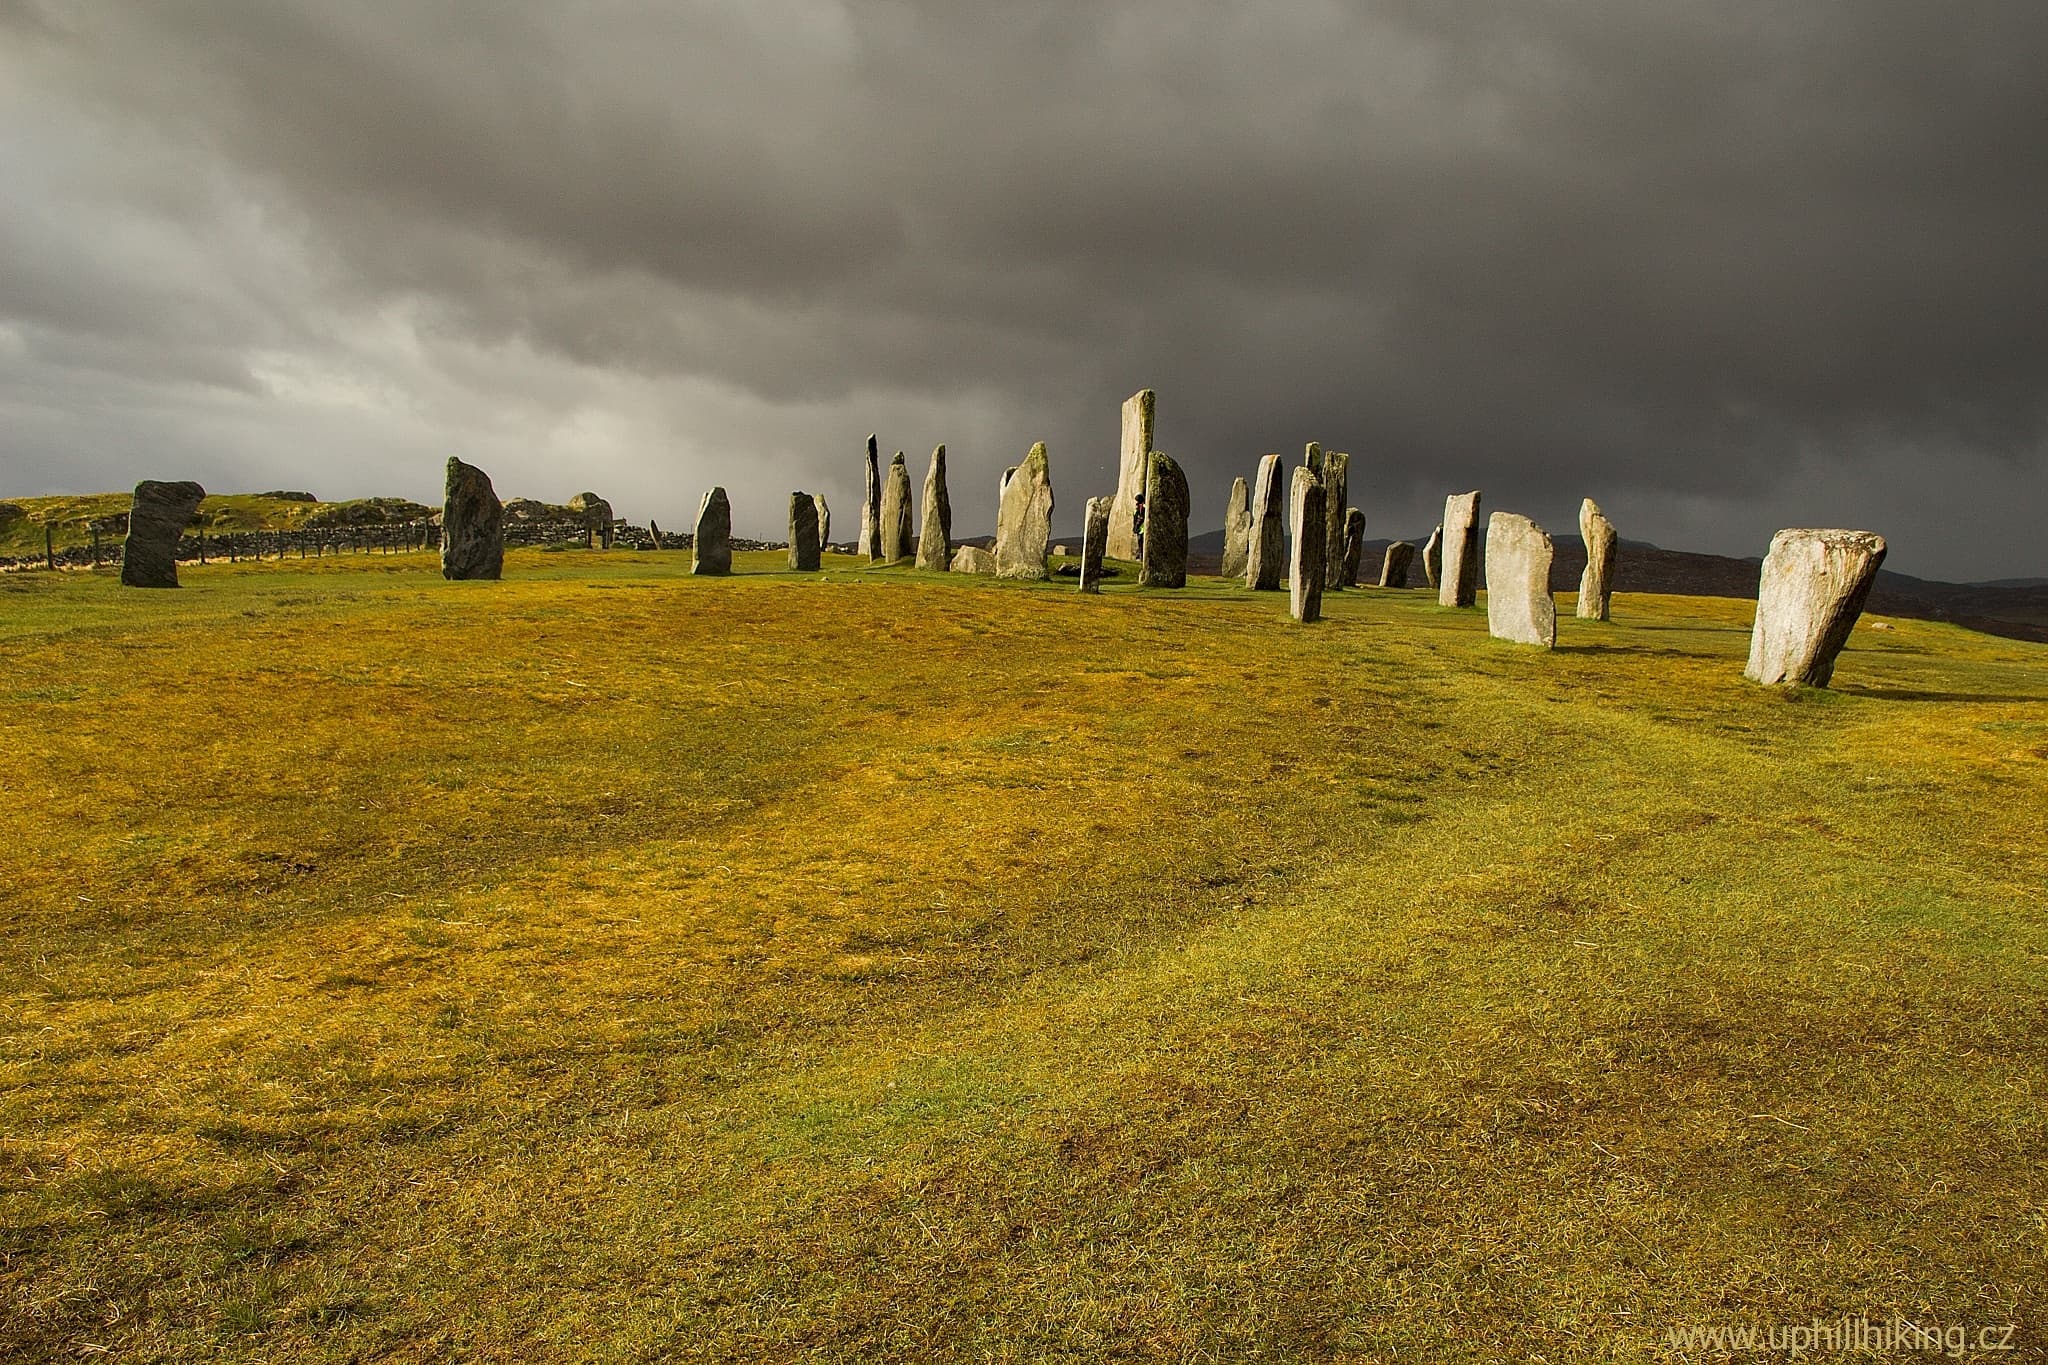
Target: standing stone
(711,548)
(472,525)
(1166,524)
(1024,518)
(1094,541)
(597,519)
(935,540)
(1268,541)
(897,542)
(156,519)
(1519,606)
(1130,474)
(824,521)
(1353,543)
(1336,491)
(1312,459)
(1813,588)
(803,533)
(1305,598)
(1237,529)
(1433,557)
(972,559)
(1458,576)
(1596,584)
(871,506)
(1394,568)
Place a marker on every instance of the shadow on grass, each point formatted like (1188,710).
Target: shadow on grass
(1909,694)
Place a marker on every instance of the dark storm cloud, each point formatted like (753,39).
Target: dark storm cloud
(1725,267)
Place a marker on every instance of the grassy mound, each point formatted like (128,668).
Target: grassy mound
(606,964)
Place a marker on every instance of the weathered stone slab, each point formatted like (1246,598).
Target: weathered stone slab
(871,505)
(472,525)
(1394,568)
(1305,584)
(1353,542)
(897,542)
(711,546)
(1095,542)
(1237,529)
(935,539)
(1813,588)
(156,519)
(973,559)
(1433,557)
(803,533)
(824,520)
(1519,606)
(1265,561)
(1136,444)
(597,519)
(1165,551)
(1024,518)
(1312,458)
(1458,574)
(1596,584)
(1337,510)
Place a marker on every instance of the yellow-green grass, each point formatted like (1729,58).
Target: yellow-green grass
(70,518)
(610,964)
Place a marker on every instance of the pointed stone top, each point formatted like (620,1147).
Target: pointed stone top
(898,459)
(939,451)
(1037,451)
(874,450)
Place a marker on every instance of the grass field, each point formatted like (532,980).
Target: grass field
(608,964)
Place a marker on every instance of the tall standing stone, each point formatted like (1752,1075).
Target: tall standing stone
(1024,518)
(1596,584)
(1394,568)
(871,506)
(1458,578)
(1433,557)
(935,538)
(1130,474)
(1305,595)
(711,547)
(1094,542)
(897,543)
(803,533)
(156,520)
(1519,606)
(472,525)
(1813,588)
(1312,459)
(824,520)
(1264,561)
(1336,492)
(1165,549)
(1353,543)
(1237,529)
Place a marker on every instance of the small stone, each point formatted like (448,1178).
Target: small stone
(897,543)
(1433,557)
(871,505)
(973,559)
(1094,541)
(1458,573)
(472,525)
(711,546)
(156,519)
(1305,596)
(1336,490)
(1165,551)
(1237,529)
(1354,544)
(1394,568)
(1024,518)
(1136,444)
(1264,558)
(1813,588)
(1596,584)
(803,533)
(1519,606)
(935,541)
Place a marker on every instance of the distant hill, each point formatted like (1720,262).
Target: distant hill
(73,518)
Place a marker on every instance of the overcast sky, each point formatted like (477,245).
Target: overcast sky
(1723,266)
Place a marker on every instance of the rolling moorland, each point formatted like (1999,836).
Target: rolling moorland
(610,964)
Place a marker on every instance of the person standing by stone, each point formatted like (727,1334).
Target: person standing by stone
(1813,588)
(824,521)
(1024,518)
(871,505)
(157,519)
(935,537)
(1596,584)
(1336,490)
(1135,445)
(1433,557)
(1165,545)
(1353,542)
(803,533)
(897,543)
(1394,568)
(1305,595)
(1094,542)
(711,546)
(1267,545)
(1519,607)
(1459,575)
(472,525)
(1237,529)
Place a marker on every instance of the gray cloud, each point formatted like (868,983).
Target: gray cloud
(1724,267)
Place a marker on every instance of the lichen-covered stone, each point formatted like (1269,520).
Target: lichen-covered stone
(1237,529)
(711,545)
(803,533)
(1812,590)
(871,505)
(472,525)
(1433,557)
(1024,518)
(935,537)
(1095,542)
(1519,606)
(1394,568)
(1336,492)
(824,520)
(897,542)
(1458,574)
(1164,562)
(1265,560)
(156,519)
(1596,584)
(1353,542)
(1135,445)
(973,559)
(1305,582)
